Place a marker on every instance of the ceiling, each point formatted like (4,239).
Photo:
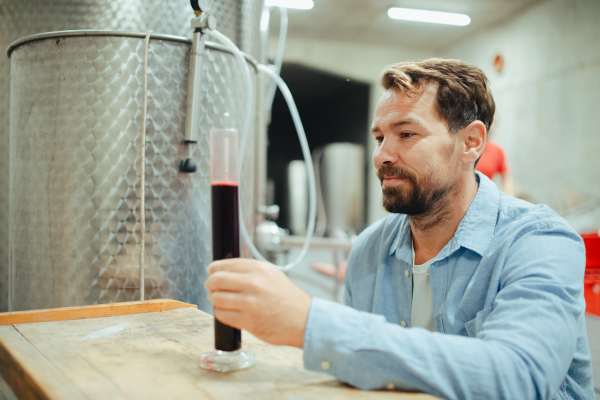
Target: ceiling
(366,21)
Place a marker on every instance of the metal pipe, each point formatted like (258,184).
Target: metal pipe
(194,86)
(317,243)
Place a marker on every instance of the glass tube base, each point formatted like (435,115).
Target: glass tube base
(224,361)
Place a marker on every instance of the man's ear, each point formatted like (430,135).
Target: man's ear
(472,138)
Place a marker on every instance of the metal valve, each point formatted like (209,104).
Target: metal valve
(203,18)
(204,21)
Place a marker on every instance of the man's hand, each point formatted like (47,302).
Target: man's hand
(253,295)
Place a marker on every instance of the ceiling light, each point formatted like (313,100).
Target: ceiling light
(299,4)
(435,17)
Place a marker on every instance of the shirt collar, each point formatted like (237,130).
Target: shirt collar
(474,232)
(402,243)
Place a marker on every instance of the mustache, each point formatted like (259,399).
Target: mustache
(390,170)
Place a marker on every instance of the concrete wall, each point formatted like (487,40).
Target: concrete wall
(547,97)
(363,62)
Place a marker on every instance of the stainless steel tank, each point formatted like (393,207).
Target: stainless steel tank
(343,177)
(75,137)
(297,188)
(238,19)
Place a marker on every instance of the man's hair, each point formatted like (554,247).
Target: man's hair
(463,95)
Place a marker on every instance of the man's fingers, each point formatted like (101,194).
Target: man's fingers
(228,317)
(226,301)
(239,265)
(227,281)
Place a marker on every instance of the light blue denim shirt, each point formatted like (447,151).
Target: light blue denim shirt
(507,301)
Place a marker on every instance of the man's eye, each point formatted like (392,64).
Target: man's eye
(379,139)
(406,134)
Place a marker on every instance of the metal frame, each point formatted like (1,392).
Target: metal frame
(99,32)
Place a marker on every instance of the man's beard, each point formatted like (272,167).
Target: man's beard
(419,200)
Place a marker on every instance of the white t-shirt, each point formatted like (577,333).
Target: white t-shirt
(421,314)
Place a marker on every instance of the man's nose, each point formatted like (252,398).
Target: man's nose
(384,154)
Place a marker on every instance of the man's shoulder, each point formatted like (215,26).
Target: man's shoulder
(371,247)
(375,241)
(519,215)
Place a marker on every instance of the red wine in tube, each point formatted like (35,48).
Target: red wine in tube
(225,244)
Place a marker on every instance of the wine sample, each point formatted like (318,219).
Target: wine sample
(225,244)
(228,354)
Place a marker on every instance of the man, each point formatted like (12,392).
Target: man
(461,292)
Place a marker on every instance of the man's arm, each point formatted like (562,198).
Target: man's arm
(523,348)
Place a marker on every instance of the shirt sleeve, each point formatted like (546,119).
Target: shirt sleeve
(522,348)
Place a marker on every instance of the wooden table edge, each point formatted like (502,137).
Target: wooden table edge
(19,376)
(14,369)
(92,311)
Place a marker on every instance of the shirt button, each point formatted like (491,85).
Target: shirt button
(403,323)
(325,365)
(406,273)
(390,386)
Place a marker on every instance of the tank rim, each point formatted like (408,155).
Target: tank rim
(101,32)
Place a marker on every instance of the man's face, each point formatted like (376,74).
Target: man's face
(416,156)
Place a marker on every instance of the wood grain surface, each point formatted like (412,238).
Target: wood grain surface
(155,356)
(26,383)
(93,311)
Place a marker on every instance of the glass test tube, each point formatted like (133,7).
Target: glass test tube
(224,182)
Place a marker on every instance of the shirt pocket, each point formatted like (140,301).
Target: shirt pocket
(474,326)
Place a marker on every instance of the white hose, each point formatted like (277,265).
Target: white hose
(312,187)
(283,28)
(312,211)
(249,91)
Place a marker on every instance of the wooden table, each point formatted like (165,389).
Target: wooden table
(148,350)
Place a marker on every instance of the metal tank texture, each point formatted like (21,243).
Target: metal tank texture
(75,123)
(238,19)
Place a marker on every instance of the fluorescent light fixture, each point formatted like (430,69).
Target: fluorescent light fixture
(299,4)
(436,17)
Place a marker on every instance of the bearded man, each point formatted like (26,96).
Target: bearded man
(461,292)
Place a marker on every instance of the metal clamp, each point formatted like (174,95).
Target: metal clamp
(204,21)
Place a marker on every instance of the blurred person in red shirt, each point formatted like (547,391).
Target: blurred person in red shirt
(493,162)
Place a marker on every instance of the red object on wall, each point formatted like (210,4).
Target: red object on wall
(591,279)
